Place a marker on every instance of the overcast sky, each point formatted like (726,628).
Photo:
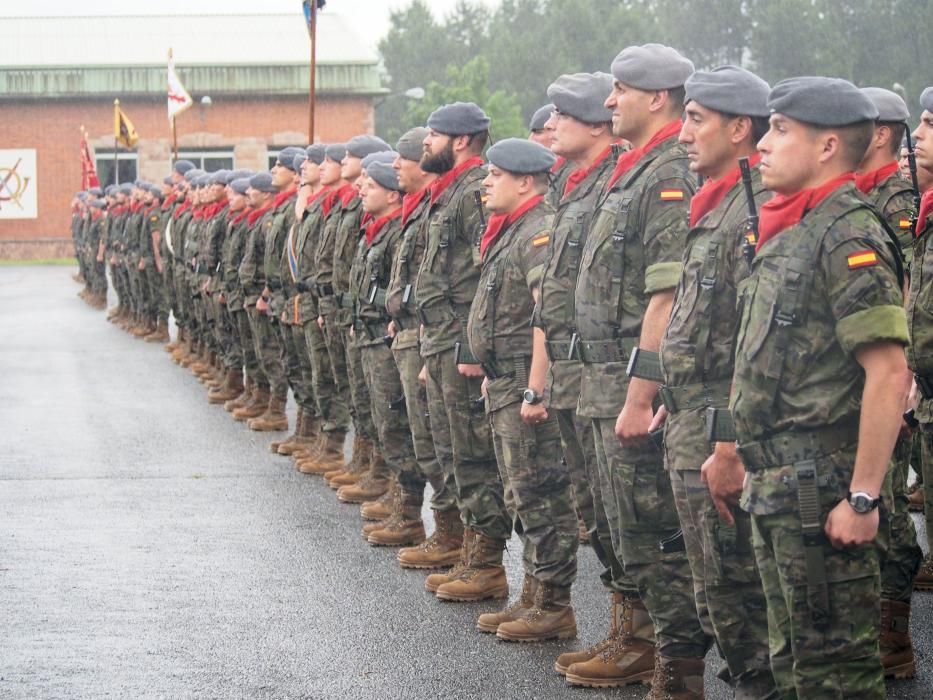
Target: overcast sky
(370,17)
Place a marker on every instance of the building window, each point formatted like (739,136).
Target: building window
(210,159)
(126,167)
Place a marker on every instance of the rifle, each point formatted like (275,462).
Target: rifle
(914,182)
(751,234)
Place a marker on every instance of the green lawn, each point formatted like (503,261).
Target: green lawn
(40,261)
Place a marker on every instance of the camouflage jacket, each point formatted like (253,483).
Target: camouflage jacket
(306,240)
(231,255)
(372,269)
(210,254)
(920,314)
(633,250)
(449,270)
(323,257)
(282,218)
(817,292)
(697,349)
(894,200)
(400,291)
(558,180)
(562,265)
(499,326)
(251,272)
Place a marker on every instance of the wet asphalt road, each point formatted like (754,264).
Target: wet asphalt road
(152,547)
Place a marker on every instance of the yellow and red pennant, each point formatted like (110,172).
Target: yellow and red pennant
(863,258)
(672,195)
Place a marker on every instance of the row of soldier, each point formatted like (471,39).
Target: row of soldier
(518,334)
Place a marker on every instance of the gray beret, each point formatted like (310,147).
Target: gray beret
(891,106)
(203,180)
(238,175)
(155,190)
(139,182)
(192,174)
(411,145)
(286,157)
(521,156)
(540,117)
(126,188)
(316,152)
(651,67)
(731,90)
(240,185)
(822,102)
(299,160)
(219,177)
(384,174)
(582,96)
(96,191)
(361,146)
(457,119)
(168,180)
(336,151)
(111,190)
(387,157)
(183,166)
(262,182)
(926,99)
(98,203)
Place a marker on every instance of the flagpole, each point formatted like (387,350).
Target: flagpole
(174,139)
(311,98)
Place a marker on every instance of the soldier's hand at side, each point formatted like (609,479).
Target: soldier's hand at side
(660,418)
(100,258)
(391,330)
(533,414)
(471,370)
(423,375)
(320,322)
(724,474)
(633,424)
(159,266)
(913,398)
(221,299)
(142,265)
(484,388)
(846,528)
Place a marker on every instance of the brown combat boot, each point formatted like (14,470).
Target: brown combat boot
(627,658)
(677,679)
(484,576)
(249,386)
(230,389)
(309,443)
(202,360)
(489,622)
(143,328)
(393,506)
(405,527)
(551,617)
(273,419)
(441,549)
(256,406)
(435,581)
(216,376)
(302,436)
(114,312)
(290,440)
(564,661)
(159,334)
(924,579)
(380,509)
(915,498)
(371,486)
(351,472)
(329,457)
(897,651)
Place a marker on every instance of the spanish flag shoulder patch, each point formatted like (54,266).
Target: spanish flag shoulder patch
(904,224)
(540,240)
(153,218)
(672,195)
(862,258)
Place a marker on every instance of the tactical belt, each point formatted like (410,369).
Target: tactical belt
(924,386)
(808,502)
(375,330)
(324,290)
(594,352)
(645,364)
(793,446)
(516,366)
(440,314)
(689,396)
(719,425)
(558,350)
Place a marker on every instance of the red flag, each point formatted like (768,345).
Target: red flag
(88,171)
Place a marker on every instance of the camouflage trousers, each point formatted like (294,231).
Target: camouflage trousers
(153,282)
(730,601)
(182,307)
(840,659)
(269,352)
(408,361)
(335,339)
(361,411)
(926,470)
(538,493)
(228,337)
(463,445)
(137,292)
(297,363)
(579,449)
(645,529)
(98,276)
(390,416)
(119,280)
(167,296)
(328,393)
(901,561)
(248,347)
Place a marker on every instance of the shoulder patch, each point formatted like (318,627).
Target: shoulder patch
(672,195)
(905,224)
(862,258)
(540,239)
(153,218)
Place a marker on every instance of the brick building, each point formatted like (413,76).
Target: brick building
(60,73)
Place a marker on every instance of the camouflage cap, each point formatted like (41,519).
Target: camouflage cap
(651,67)
(540,117)
(891,106)
(458,119)
(521,156)
(582,96)
(731,90)
(411,145)
(822,102)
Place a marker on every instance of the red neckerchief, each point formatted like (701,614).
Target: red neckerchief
(784,211)
(169,201)
(255,215)
(926,208)
(629,159)
(558,164)
(711,193)
(580,174)
(374,227)
(282,197)
(330,199)
(411,201)
(185,206)
(240,216)
(135,207)
(866,182)
(500,222)
(150,208)
(96,214)
(447,179)
(347,194)
(317,195)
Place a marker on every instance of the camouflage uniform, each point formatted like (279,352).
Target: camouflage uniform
(537,486)
(406,349)
(241,335)
(555,316)
(697,363)
(633,250)
(193,229)
(210,262)
(95,272)
(444,290)
(805,310)
(559,174)
(181,217)
(134,224)
(152,279)
(166,302)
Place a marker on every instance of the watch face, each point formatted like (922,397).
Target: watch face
(860,504)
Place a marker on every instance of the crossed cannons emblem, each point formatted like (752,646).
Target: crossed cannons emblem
(12,185)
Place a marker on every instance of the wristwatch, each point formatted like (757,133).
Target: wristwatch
(862,502)
(532,397)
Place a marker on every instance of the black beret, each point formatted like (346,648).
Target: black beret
(731,90)
(336,151)
(651,67)
(262,182)
(822,102)
(316,152)
(361,146)
(891,106)
(240,185)
(521,156)
(582,96)
(183,166)
(926,99)
(540,117)
(411,145)
(458,119)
